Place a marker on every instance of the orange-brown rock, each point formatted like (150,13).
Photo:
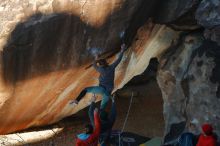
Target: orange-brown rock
(43,57)
(45,98)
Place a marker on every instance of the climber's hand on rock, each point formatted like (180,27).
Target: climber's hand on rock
(93,98)
(74,102)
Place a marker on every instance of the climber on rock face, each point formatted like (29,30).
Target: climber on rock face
(107,121)
(106,79)
(92,131)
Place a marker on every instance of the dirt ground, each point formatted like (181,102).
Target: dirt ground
(145,118)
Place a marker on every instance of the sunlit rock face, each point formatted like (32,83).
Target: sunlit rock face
(91,13)
(43,99)
(47,48)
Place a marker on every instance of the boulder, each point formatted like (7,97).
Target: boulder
(190,85)
(45,53)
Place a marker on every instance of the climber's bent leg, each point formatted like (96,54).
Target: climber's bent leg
(104,93)
(93,89)
(81,94)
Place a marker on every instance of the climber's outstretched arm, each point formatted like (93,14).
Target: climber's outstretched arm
(118,60)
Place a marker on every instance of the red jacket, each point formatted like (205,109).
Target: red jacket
(206,140)
(92,140)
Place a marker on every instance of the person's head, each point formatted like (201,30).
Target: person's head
(102,63)
(192,125)
(207,129)
(88,129)
(104,115)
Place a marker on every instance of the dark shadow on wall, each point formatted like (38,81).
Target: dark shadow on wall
(56,42)
(59,41)
(146,9)
(48,45)
(149,74)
